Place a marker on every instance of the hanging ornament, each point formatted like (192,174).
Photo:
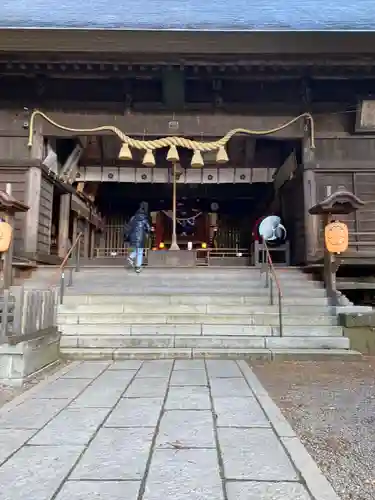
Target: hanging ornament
(222,156)
(197,160)
(6,233)
(125,152)
(173,155)
(149,159)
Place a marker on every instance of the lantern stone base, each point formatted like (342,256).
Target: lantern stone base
(20,362)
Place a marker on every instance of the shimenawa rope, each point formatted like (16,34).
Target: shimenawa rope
(150,145)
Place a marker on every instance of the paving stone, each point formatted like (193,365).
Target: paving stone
(105,391)
(189,364)
(158,368)
(239,412)
(87,370)
(116,454)
(10,441)
(131,364)
(147,388)
(71,426)
(224,387)
(222,369)
(31,414)
(99,490)
(188,398)
(135,412)
(36,472)
(254,454)
(62,388)
(189,377)
(184,475)
(186,429)
(244,490)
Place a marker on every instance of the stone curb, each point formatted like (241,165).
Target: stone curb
(315,481)
(39,386)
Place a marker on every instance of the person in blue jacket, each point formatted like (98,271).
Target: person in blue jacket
(136,232)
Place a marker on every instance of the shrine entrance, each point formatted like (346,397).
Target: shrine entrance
(208,217)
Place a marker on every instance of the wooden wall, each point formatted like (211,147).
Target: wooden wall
(17,178)
(350,164)
(45,216)
(292,212)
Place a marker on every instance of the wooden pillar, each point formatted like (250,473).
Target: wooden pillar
(310,197)
(92,242)
(159,229)
(32,200)
(75,227)
(86,239)
(63,236)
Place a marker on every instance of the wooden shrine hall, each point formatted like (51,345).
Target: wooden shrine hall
(304,100)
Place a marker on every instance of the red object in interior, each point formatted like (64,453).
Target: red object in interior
(255,233)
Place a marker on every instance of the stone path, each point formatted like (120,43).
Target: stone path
(153,430)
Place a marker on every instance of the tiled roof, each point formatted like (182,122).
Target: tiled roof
(191,14)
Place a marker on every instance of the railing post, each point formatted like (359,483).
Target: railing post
(62,286)
(280,316)
(271,291)
(78,255)
(70,282)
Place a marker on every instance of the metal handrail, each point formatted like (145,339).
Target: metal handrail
(76,248)
(271,277)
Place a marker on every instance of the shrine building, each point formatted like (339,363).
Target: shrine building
(304,98)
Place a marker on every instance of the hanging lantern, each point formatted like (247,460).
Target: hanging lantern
(197,160)
(125,153)
(173,155)
(149,159)
(336,237)
(6,232)
(222,156)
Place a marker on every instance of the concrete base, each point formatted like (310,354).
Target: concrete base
(19,362)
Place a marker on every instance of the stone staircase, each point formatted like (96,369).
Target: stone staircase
(205,312)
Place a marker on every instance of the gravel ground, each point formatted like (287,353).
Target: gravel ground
(331,406)
(9,393)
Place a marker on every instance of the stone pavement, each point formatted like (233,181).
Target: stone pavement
(153,430)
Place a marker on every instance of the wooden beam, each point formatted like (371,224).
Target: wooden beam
(69,169)
(50,161)
(63,236)
(184,43)
(32,199)
(173,88)
(285,172)
(310,198)
(158,124)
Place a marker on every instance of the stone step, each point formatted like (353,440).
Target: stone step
(139,280)
(175,353)
(203,342)
(197,329)
(258,291)
(271,319)
(224,299)
(144,307)
(161,353)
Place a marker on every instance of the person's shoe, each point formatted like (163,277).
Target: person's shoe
(138,270)
(130,262)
